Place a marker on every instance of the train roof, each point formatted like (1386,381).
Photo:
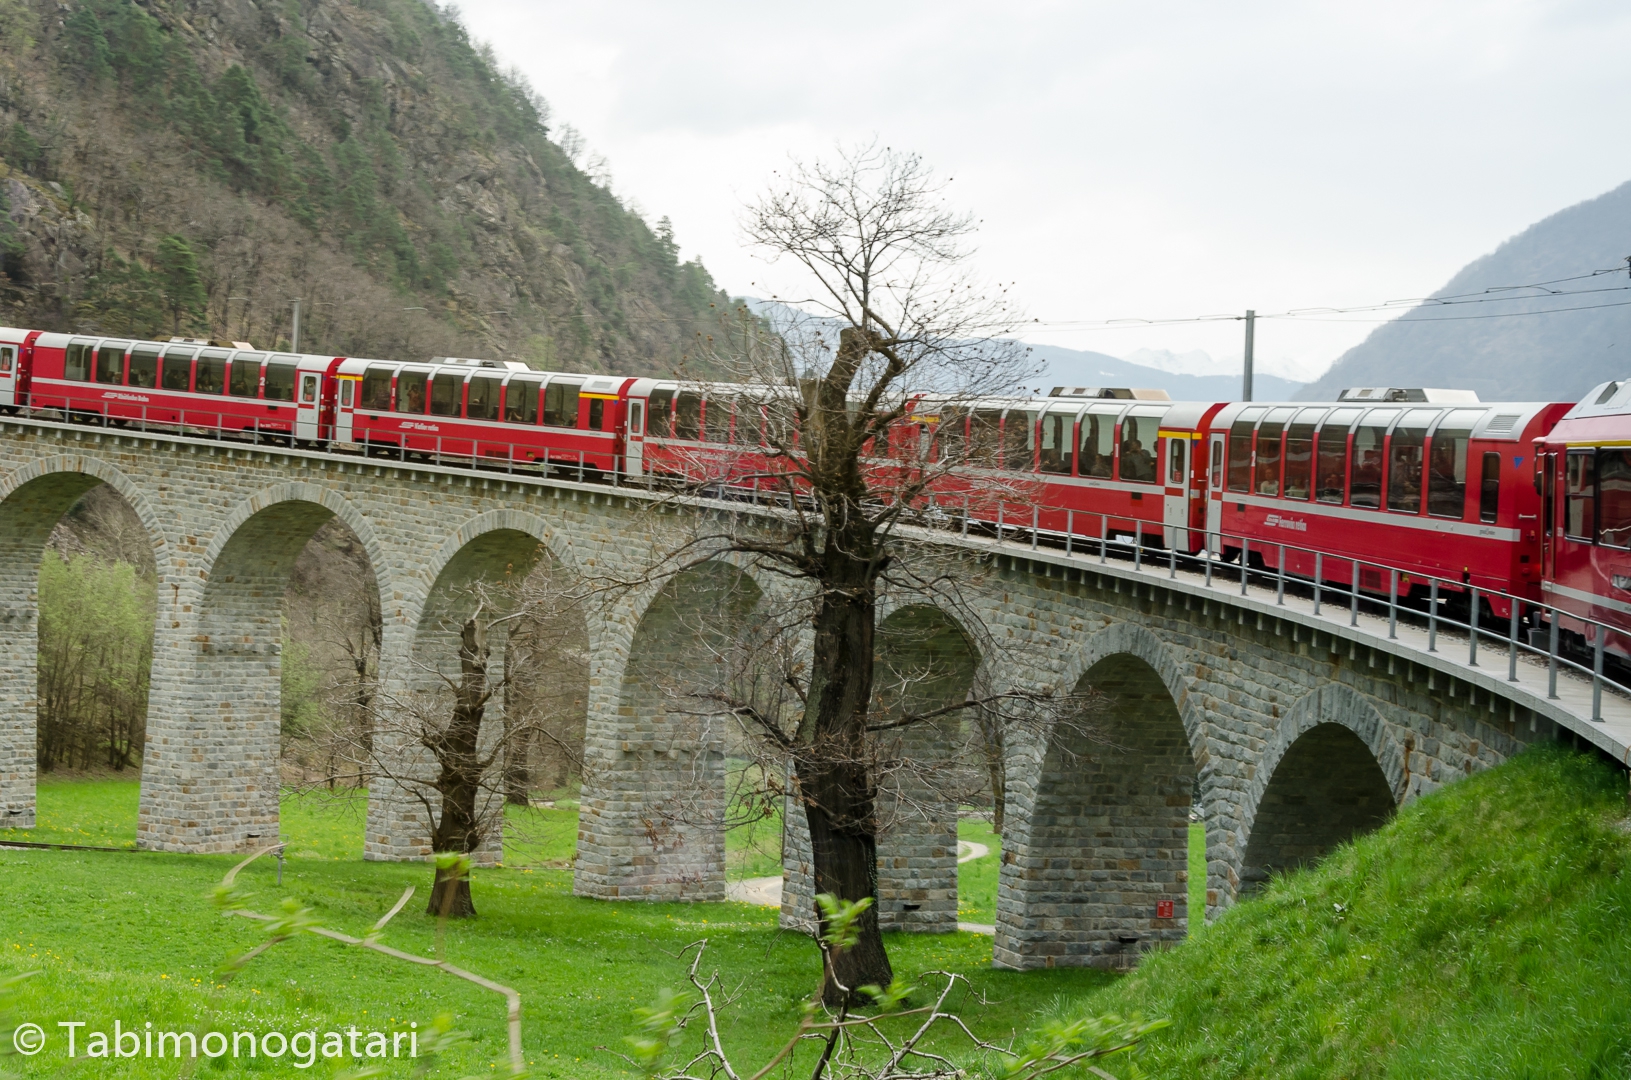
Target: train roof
(1611,398)
(1495,419)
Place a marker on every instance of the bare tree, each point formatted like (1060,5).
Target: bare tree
(432,736)
(856,382)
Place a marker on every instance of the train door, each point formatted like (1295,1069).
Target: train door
(10,370)
(307,405)
(635,438)
(1175,506)
(1214,494)
(344,408)
(1548,511)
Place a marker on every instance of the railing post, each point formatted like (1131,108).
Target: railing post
(1245,562)
(1319,575)
(1208,555)
(1172,561)
(1393,605)
(999,520)
(1070,530)
(1036,524)
(1138,547)
(1432,616)
(1512,645)
(965,517)
(1551,657)
(1280,579)
(1353,617)
(1472,637)
(1104,538)
(1597,673)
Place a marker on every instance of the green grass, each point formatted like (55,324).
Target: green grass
(1197,878)
(1485,932)
(96,813)
(131,936)
(977,878)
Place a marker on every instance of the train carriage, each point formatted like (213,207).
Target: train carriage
(1434,487)
(1583,479)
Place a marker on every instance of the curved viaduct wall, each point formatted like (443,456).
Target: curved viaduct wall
(1290,737)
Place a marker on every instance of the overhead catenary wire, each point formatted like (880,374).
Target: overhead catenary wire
(1510,294)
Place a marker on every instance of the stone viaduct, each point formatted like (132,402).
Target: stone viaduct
(1292,729)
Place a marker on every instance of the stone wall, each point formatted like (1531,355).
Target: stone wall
(1249,703)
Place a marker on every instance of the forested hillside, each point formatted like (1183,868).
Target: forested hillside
(191,166)
(1539,347)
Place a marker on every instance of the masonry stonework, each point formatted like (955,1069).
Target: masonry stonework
(1294,735)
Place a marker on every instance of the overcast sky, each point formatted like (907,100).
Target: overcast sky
(1126,160)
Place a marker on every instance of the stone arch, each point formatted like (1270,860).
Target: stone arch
(1331,771)
(468,570)
(651,825)
(1104,846)
(33,499)
(926,660)
(211,776)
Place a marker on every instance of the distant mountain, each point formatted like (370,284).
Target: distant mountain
(1549,357)
(1071,367)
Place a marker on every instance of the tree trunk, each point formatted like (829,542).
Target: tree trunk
(450,896)
(458,828)
(835,776)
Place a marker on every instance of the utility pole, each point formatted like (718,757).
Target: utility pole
(1246,380)
(294,337)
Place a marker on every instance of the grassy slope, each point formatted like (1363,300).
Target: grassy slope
(1485,932)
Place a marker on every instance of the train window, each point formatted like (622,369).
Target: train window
(984,433)
(1300,453)
(561,404)
(1240,449)
(7,355)
(597,413)
(376,390)
(1056,425)
(688,415)
(1404,460)
(481,403)
(521,401)
(410,391)
(1613,495)
(1331,468)
(716,419)
(110,363)
(246,374)
(1019,440)
(446,393)
(1447,464)
(77,361)
(1266,462)
(280,378)
(781,423)
(210,375)
(144,366)
(1097,453)
(1489,491)
(308,390)
(1138,445)
(345,391)
(660,418)
(1365,477)
(177,369)
(1175,460)
(951,434)
(637,417)
(1580,495)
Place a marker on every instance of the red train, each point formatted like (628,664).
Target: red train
(1433,483)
